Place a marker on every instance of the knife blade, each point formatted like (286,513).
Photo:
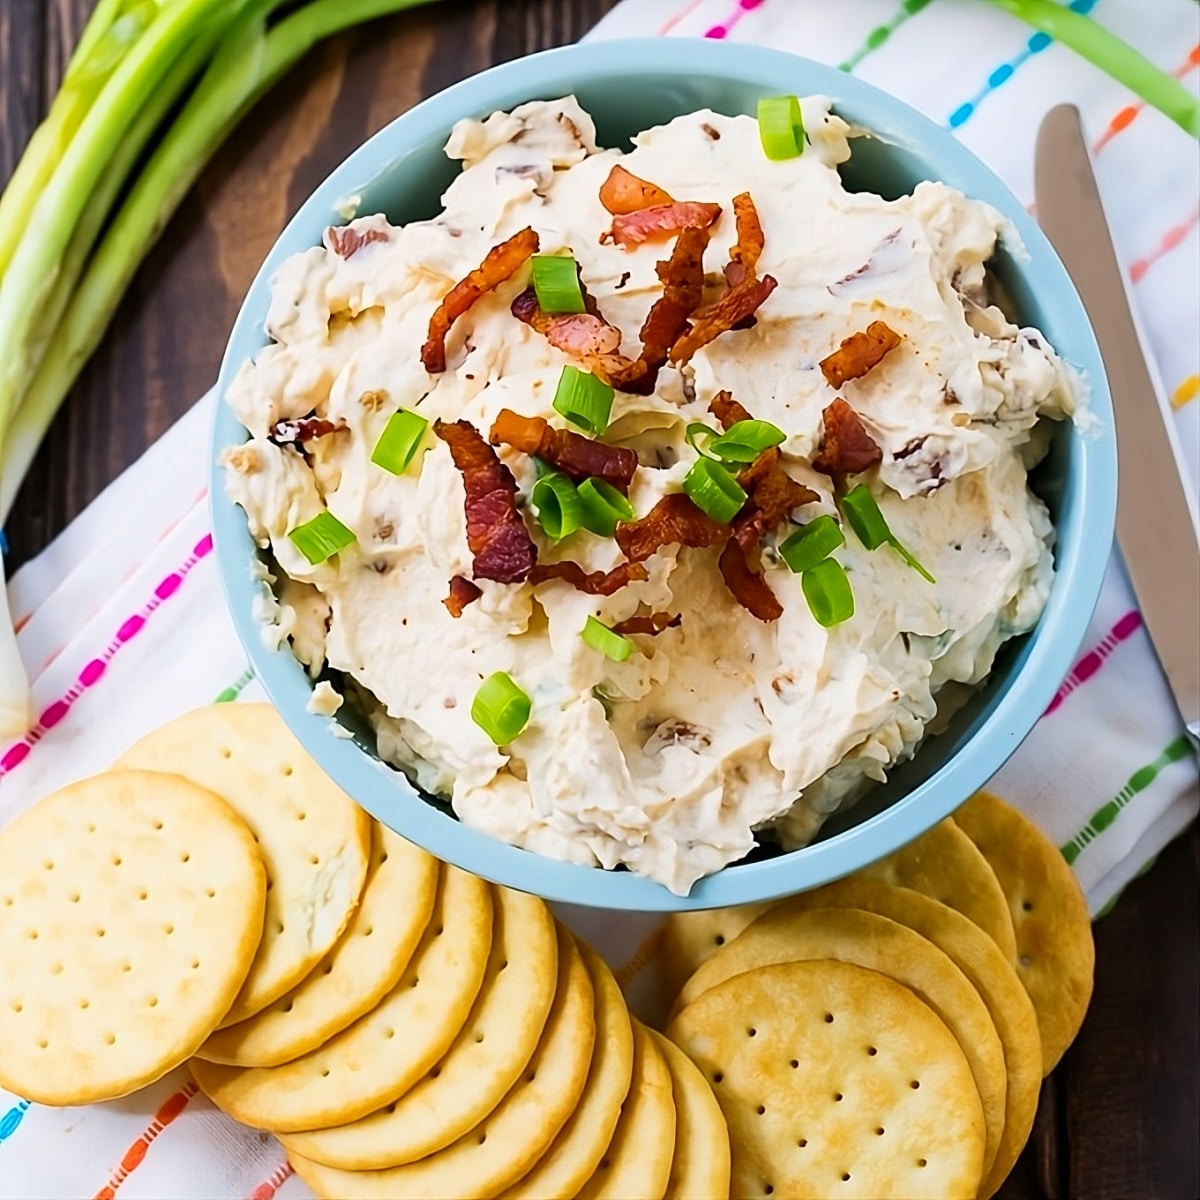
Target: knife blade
(1156,509)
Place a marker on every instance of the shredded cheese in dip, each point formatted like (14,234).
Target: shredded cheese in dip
(725,725)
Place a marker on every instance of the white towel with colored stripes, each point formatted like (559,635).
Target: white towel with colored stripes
(122,621)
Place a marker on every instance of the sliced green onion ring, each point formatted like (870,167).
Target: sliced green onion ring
(812,543)
(500,708)
(827,590)
(557,504)
(556,281)
(701,437)
(870,526)
(744,441)
(781,127)
(714,490)
(603,507)
(399,441)
(584,400)
(600,637)
(321,538)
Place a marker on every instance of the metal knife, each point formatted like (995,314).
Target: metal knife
(1156,510)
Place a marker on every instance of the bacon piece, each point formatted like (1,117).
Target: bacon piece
(859,353)
(735,305)
(576,456)
(727,410)
(650,623)
(772,492)
(496,534)
(303,429)
(594,583)
(847,448)
(750,589)
(346,241)
(623,193)
(746,251)
(673,519)
(661,221)
(462,593)
(500,263)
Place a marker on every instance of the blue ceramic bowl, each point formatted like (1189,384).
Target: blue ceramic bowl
(629,86)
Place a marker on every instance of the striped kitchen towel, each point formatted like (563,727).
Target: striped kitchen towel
(122,620)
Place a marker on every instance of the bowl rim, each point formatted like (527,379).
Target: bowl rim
(1053,643)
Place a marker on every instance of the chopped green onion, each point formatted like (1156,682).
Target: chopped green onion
(584,400)
(701,437)
(557,503)
(600,637)
(500,708)
(870,526)
(603,507)
(556,281)
(399,441)
(714,490)
(746,440)
(827,590)
(321,538)
(781,127)
(812,544)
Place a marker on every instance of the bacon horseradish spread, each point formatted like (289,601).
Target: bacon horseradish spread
(861,328)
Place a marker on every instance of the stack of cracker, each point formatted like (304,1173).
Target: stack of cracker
(405,1028)
(887,1035)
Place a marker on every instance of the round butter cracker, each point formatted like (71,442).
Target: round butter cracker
(1055,955)
(355,975)
(512,1137)
(315,841)
(388,1050)
(701,1166)
(945,864)
(836,1081)
(990,973)
(574,1154)
(879,944)
(131,907)
(483,1062)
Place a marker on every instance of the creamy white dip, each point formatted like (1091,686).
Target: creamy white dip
(669,762)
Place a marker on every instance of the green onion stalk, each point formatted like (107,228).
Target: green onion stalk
(66,257)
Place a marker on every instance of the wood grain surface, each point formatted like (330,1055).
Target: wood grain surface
(1120,1116)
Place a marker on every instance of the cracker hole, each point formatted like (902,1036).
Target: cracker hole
(33,935)
(761,1110)
(719,939)
(324,1072)
(287,770)
(101,932)
(439,931)
(56,969)
(301,816)
(289,1006)
(49,866)
(416,980)
(922,1162)
(85,1003)
(751,1032)
(17,1006)
(226,752)
(110,1039)
(531,1077)
(435,1072)
(74,898)
(8,901)
(872,1051)
(195,964)
(769,1190)
(879,1131)
(142,894)
(270,884)
(794,1063)
(116,860)
(278,926)
(391,1108)
(1027,906)
(829,1018)
(158,825)
(482,1138)
(127,967)
(837,1097)
(389,1033)
(185,857)
(802,1143)
(91,828)
(504,965)
(914,1084)
(845,1176)
(152,1002)
(1025,960)
(328,969)
(718,1077)
(315,859)
(168,928)
(42,1043)
(383,858)
(478,1038)
(370,929)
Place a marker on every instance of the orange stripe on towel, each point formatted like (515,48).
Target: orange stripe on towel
(133,1157)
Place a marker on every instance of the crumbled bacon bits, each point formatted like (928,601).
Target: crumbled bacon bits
(496,534)
(576,456)
(846,447)
(661,221)
(500,263)
(749,588)
(594,583)
(303,429)
(651,624)
(859,353)
(346,240)
(462,593)
(623,193)
(674,519)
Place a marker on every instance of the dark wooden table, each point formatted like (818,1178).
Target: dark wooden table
(1120,1117)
